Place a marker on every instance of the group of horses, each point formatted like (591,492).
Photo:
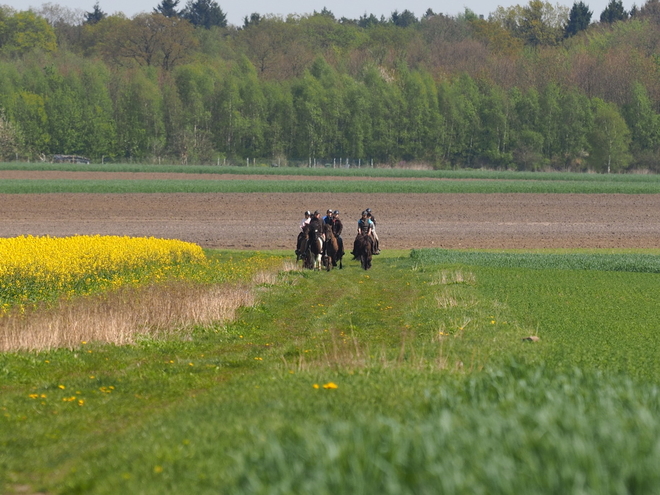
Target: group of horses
(327,250)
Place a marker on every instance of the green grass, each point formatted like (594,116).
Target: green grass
(436,391)
(339,172)
(21,186)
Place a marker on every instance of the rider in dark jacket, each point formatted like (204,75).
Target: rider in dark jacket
(337,228)
(373,231)
(315,225)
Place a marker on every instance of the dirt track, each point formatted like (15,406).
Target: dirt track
(270,221)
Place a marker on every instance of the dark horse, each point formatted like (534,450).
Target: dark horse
(363,248)
(304,249)
(332,252)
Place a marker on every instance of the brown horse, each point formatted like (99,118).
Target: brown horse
(363,248)
(331,251)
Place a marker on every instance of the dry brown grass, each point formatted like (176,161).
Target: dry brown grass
(120,316)
(346,353)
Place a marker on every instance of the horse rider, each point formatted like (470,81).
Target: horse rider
(316,235)
(302,234)
(306,220)
(328,217)
(337,228)
(364,227)
(373,231)
(316,226)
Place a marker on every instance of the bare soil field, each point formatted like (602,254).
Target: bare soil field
(270,221)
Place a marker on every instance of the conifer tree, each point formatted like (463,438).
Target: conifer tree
(95,15)
(578,19)
(614,12)
(204,13)
(167,8)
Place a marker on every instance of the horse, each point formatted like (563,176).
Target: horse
(315,246)
(331,249)
(363,249)
(302,242)
(303,249)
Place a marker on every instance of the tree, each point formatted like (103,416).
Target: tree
(642,120)
(95,15)
(204,13)
(154,40)
(10,138)
(167,8)
(327,13)
(650,10)
(253,20)
(578,19)
(609,139)
(367,21)
(403,19)
(25,31)
(614,12)
(29,112)
(537,23)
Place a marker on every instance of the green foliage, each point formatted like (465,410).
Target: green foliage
(609,139)
(507,92)
(23,32)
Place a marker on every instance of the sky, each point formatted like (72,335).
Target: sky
(236,10)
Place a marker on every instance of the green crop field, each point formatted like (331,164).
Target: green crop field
(20,186)
(412,377)
(408,181)
(336,172)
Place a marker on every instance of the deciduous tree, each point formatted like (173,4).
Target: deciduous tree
(609,138)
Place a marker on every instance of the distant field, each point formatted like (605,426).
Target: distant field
(403,186)
(341,172)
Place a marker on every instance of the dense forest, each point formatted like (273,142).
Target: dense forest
(531,87)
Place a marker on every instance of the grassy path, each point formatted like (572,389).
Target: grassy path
(53,401)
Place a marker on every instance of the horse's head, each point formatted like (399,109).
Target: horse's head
(327,230)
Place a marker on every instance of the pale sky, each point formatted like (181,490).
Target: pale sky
(236,10)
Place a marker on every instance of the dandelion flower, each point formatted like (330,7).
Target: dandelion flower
(330,385)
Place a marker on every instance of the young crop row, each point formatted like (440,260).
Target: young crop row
(629,262)
(19,186)
(329,171)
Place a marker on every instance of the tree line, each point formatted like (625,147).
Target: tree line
(531,87)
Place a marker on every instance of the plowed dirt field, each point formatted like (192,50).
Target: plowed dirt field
(270,221)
